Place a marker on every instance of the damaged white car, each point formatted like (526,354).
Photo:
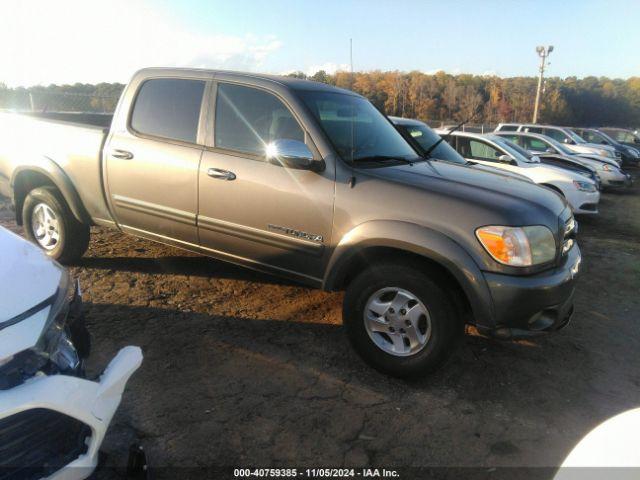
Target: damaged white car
(52,419)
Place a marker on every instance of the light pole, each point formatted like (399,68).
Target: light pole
(543,53)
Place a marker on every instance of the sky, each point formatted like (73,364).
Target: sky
(90,41)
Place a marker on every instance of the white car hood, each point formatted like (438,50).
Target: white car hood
(600,158)
(27,276)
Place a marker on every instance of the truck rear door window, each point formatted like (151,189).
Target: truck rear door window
(248,118)
(168,108)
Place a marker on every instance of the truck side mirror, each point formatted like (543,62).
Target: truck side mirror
(550,150)
(289,153)
(505,159)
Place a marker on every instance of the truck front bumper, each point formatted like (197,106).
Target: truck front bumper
(62,418)
(536,304)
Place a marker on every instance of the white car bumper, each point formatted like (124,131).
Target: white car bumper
(583,202)
(92,403)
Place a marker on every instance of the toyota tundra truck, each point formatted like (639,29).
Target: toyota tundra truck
(310,182)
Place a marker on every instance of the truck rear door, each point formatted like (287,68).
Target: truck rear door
(152,162)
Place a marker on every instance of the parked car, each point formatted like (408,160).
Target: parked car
(581,193)
(610,175)
(612,446)
(52,419)
(563,135)
(311,182)
(422,138)
(626,137)
(630,155)
(554,159)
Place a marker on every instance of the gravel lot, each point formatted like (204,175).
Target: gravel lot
(243,369)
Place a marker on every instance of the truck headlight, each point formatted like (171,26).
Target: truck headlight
(518,246)
(606,167)
(584,186)
(606,153)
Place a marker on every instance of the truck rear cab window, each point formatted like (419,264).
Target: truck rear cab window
(168,108)
(508,128)
(248,118)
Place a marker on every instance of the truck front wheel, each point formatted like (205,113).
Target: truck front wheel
(49,223)
(399,320)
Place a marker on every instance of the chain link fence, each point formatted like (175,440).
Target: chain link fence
(467,127)
(41,101)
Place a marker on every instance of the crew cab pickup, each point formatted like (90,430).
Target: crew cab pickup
(307,181)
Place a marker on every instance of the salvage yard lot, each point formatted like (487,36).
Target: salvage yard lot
(244,369)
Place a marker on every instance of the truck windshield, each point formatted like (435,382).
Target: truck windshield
(356,129)
(424,137)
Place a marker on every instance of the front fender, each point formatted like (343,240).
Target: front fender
(50,169)
(423,241)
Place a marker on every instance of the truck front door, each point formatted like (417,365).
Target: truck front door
(254,211)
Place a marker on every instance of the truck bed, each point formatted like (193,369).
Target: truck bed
(80,118)
(69,143)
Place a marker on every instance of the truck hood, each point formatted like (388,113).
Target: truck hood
(472,183)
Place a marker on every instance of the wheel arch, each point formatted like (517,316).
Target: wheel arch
(27,177)
(432,251)
(554,188)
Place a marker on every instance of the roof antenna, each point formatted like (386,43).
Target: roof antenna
(352,180)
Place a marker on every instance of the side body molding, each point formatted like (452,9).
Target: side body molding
(423,241)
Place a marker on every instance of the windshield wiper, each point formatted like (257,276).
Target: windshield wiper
(428,151)
(385,158)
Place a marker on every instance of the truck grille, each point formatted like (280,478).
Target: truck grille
(35,443)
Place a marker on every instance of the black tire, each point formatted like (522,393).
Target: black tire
(446,324)
(73,235)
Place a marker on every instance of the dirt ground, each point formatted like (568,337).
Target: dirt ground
(243,369)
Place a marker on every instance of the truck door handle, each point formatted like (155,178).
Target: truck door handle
(221,174)
(122,154)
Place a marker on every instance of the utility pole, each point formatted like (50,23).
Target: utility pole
(543,53)
(351,59)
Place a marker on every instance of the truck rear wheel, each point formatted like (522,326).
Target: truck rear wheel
(399,320)
(49,223)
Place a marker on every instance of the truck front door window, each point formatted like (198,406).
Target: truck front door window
(247,119)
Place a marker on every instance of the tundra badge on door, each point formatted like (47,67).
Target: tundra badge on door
(297,233)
